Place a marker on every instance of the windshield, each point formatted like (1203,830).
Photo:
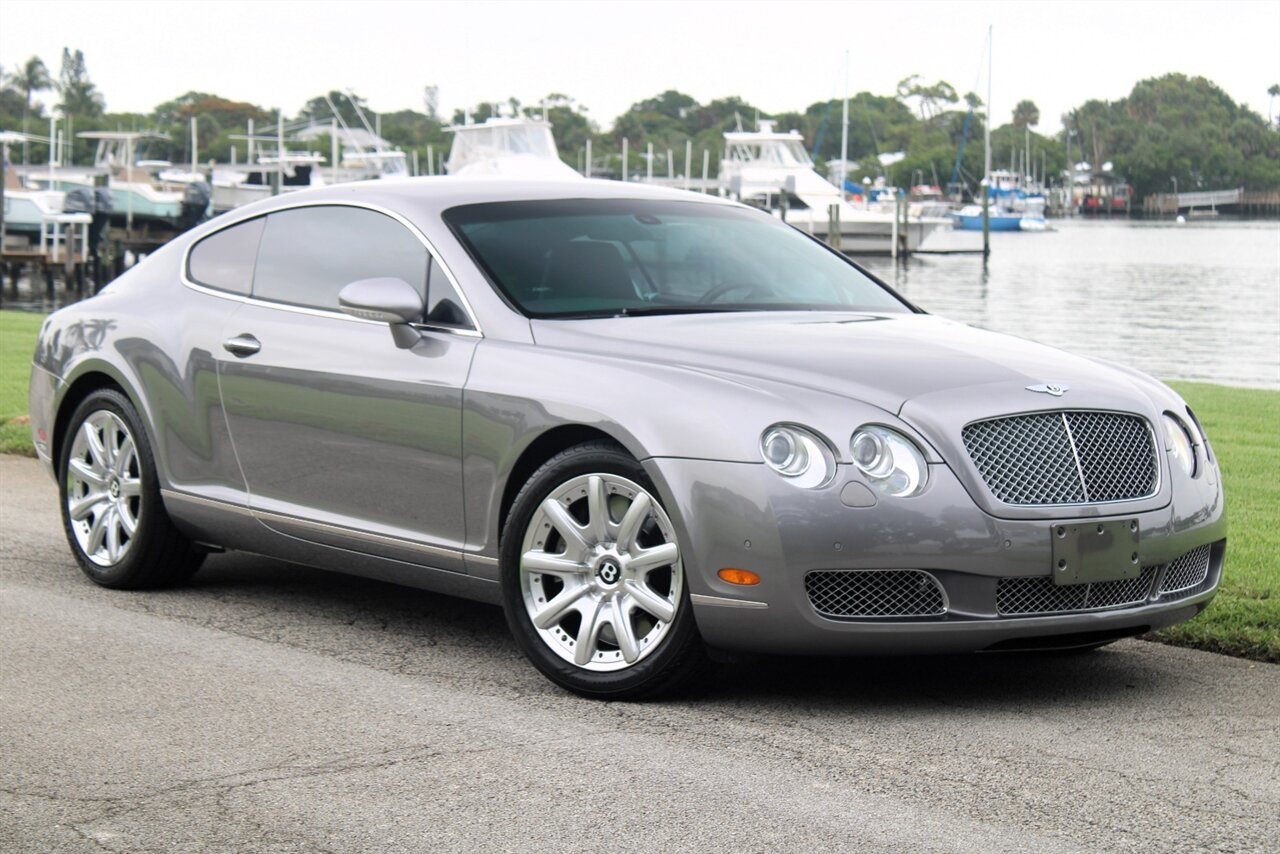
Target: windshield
(607,257)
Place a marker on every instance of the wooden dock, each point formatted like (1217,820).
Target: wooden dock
(44,274)
(50,274)
(1238,200)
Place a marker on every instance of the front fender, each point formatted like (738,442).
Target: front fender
(518,392)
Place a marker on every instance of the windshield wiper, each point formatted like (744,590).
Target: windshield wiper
(644,310)
(691,308)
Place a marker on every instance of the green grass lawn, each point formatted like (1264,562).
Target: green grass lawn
(17,342)
(1244,430)
(1243,425)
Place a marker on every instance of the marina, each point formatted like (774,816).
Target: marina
(1059,246)
(1191,299)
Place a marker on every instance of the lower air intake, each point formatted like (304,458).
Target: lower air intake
(845,593)
(1039,595)
(1186,573)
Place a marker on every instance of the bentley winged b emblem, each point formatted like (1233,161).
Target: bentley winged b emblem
(1055,389)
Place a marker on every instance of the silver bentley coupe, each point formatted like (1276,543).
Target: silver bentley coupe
(650,424)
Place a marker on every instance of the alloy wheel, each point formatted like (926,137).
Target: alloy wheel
(104,488)
(600,572)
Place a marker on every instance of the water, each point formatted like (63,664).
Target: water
(1200,301)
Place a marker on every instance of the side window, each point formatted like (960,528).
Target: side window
(224,260)
(444,306)
(310,254)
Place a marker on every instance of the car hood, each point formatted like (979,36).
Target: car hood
(881,359)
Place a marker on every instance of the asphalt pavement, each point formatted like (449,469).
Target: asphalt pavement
(268,707)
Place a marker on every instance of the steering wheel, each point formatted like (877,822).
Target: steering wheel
(751,288)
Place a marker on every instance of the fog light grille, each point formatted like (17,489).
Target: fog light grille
(1187,572)
(1039,595)
(1071,457)
(874,593)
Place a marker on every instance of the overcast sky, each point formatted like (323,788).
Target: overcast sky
(607,55)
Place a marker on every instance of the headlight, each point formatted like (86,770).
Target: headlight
(1180,444)
(798,455)
(891,462)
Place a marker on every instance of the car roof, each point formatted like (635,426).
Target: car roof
(423,199)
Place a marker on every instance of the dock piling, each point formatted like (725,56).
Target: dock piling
(986,222)
(893,236)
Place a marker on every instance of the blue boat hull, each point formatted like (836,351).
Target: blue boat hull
(999,222)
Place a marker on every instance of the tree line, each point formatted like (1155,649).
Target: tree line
(1168,128)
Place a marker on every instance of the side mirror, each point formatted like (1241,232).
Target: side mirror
(392,301)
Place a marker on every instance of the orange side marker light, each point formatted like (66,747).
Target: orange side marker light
(744,577)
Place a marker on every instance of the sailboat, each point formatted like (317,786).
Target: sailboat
(1011,206)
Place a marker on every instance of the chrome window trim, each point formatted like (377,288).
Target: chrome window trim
(187,281)
(1156,446)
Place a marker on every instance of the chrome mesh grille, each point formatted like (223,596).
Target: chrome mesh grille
(1187,572)
(1116,455)
(1073,457)
(874,593)
(1039,595)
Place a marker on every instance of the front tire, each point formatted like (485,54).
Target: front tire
(112,512)
(593,581)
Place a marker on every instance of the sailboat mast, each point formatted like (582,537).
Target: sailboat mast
(844,129)
(986,163)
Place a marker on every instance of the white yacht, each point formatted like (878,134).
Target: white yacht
(236,184)
(33,213)
(508,147)
(759,166)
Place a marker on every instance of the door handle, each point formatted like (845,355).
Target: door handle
(242,345)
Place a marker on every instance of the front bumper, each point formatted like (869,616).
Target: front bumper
(745,516)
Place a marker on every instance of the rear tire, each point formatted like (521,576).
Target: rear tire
(112,512)
(593,582)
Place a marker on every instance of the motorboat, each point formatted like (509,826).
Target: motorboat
(137,193)
(506,146)
(238,184)
(767,166)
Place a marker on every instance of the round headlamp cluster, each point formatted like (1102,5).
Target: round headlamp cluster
(798,454)
(1180,444)
(889,460)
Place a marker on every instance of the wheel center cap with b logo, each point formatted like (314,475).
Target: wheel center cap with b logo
(608,571)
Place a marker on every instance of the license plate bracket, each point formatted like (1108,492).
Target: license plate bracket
(1095,551)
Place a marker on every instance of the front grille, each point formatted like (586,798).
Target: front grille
(874,593)
(1039,595)
(1072,457)
(1187,572)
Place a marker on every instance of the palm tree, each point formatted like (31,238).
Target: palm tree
(31,77)
(1026,114)
(1274,92)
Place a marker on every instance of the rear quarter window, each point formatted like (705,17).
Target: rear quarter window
(225,260)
